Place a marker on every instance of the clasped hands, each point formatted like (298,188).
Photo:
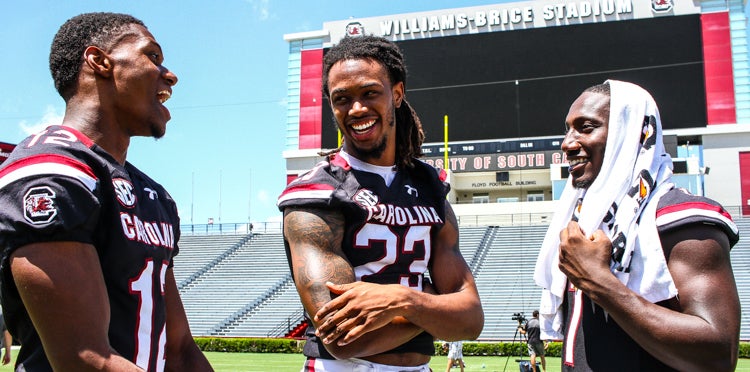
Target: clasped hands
(359,308)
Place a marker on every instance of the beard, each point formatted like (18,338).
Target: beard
(582,184)
(372,153)
(157,131)
(376,151)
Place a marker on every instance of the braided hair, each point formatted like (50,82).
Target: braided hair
(409,133)
(101,30)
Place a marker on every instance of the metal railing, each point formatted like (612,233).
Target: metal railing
(500,219)
(231,228)
(287,326)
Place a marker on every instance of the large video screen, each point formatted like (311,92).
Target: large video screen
(521,83)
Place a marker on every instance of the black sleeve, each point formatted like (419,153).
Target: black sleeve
(46,209)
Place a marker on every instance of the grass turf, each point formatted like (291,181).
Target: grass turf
(253,362)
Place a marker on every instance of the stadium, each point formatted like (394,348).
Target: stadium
(492,85)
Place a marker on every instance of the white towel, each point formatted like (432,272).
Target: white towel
(635,173)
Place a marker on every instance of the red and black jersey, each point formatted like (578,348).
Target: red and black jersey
(388,231)
(676,209)
(58,185)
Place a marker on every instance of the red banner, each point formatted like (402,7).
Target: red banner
(5,149)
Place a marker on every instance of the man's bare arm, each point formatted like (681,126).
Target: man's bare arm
(66,278)
(697,332)
(457,302)
(365,307)
(314,238)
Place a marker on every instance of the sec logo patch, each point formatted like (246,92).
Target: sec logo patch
(124,192)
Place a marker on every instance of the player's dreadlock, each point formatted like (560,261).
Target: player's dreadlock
(409,133)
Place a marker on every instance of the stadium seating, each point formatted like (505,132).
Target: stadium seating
(504,279)
(240,285)
(200,252)
(238,282)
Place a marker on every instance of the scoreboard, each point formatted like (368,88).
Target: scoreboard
(520,83)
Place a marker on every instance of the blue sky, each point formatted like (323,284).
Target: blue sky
(222,155)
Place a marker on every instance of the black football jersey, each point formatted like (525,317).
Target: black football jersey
(388,231)
(58,185)
(585,350)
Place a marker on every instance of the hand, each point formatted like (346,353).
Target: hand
(360,308)
(6,357)
(584,259)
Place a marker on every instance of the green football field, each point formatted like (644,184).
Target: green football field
(252,362)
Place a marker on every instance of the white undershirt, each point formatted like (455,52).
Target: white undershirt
(387,172)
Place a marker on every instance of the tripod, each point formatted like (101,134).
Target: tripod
(512,345)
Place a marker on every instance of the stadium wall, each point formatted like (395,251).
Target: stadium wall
(721,155)
(688,54)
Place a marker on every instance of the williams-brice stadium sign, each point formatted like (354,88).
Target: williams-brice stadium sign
(505,17)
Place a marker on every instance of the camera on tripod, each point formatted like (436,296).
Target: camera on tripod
(519,318)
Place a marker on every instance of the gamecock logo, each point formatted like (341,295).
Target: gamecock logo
(355,29)
(661,6)
(39,205)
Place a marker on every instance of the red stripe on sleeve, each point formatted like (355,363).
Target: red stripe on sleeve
(48,158)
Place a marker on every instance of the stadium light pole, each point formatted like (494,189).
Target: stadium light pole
(192,195)
(445,140)
(249,194)
(219,196)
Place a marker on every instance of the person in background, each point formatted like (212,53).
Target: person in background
(6,341)
(88,239)
(455,355)
(364,226)
(533,342)
(635,272)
